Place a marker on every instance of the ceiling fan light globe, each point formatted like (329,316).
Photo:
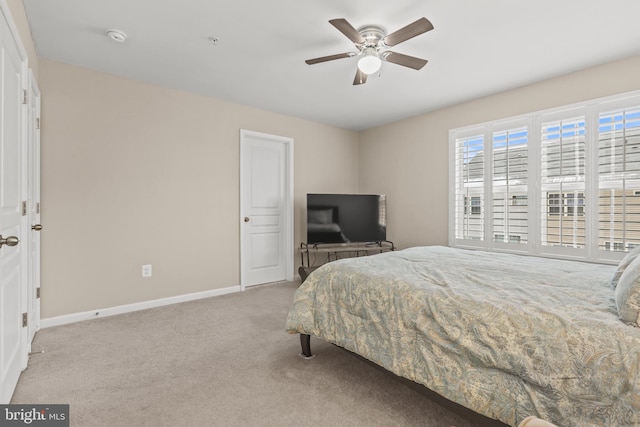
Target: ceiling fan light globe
(369,64)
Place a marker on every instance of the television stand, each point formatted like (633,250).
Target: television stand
(333,251)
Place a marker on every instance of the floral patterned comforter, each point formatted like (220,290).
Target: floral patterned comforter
(505,335)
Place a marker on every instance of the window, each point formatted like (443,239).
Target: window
(574,204)
(476,205)
(563,182)
(518,200)
(472,205)
(509,183)
(512,238)
(554,203)
(619,178)
(617,246)
(469,184)
(567,204)
(562,172)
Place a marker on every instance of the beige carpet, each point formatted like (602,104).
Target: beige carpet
(222,361)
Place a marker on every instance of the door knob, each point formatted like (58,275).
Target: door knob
(36,227)
(246,219)
(9,241)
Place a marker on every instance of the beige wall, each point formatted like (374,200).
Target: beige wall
(408,160)
(136,174)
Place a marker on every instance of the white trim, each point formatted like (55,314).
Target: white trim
(452,188)
(33,144)
(128,308)
(6,12)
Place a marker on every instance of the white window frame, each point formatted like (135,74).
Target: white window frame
(487,131)
(469,132)
(558,115)
(591,110)
(492,129)
(609,104)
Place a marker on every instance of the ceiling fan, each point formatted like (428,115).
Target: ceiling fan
(372,43)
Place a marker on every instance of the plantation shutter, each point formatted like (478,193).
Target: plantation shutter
(619,179)
(509,186)
(562,182)
(469,188)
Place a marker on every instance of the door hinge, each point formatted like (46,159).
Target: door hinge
(24,320)
(25,98)
(24,208)
(37,292)
(38,207)
(37,122)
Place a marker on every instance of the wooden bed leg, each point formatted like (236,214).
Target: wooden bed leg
(305,342)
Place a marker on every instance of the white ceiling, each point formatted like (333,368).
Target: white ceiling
(478,47)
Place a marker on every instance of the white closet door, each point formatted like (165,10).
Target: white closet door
(13,338)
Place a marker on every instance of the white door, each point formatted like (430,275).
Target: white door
(33,205)
(266,208)
(13,353)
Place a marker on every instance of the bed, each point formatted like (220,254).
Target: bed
(507,336)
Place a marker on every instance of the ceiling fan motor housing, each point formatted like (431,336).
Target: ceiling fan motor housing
(373,36)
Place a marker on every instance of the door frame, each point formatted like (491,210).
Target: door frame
(289,203)
(33,207)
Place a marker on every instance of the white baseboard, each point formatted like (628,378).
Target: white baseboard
(144,305)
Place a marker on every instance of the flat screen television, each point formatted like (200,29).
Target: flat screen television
(346,218)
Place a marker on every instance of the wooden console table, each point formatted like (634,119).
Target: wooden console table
(333,251)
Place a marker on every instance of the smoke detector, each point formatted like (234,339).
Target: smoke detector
(117,35)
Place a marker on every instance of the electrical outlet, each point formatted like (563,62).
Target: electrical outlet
(146,270)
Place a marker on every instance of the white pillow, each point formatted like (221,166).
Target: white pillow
(628,259)
(627,294)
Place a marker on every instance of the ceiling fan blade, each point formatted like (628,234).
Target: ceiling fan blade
(347,29)
(361,78)
(328,58)
(404,60)
(416,28)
